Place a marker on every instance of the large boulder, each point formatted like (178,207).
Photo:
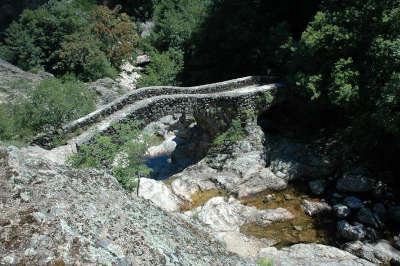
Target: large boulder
(314,208)
(351,232)
(15,82)
(380,252)
(311,254)
(355,183)
(158,193)
(51,214)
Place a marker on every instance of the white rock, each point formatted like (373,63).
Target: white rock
(158,193)
(311,254)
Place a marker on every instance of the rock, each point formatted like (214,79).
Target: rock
(142,60)
(394,213)
(146,28)
(244,246)
(191,181)
(313,208)
(317,187)
(91,219)
(381,252)
(354,183)
(290,160)
(353,202)
(107,90)
(311,254)
(365,216)
(397,244)
(225,217)
(14,82)
(350,232)
(380,210)
(222,214)
(158,193)
(341,210)
(128,77)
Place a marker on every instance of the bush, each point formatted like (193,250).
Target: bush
(83,57)
(234,134)
(50,104)
(163,69)
(123,153)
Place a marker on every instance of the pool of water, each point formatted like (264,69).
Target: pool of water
(301,229)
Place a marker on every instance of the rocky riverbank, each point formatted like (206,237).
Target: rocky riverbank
(270,190)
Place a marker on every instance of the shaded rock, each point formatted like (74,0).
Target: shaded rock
(354,183)
(317,187)
(341,210)
(158,193)
(380,210)
(311,254)
(353,202)
(350,232)
(313,208)
(365,215)
(394,213)
(290,160)
(381,252)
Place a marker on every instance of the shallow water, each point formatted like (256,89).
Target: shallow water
(301,229)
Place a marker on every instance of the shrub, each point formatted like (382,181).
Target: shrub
(115,32)
(50,104)
(122,153)
(234,133)
(163,69)
(82,55)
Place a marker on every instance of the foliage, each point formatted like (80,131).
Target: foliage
(265,262)
(82,55)
(234,133)
(140,10)
(122,152)
(163,68)
(115,32)
(348,60)
(51,103)
(70,36)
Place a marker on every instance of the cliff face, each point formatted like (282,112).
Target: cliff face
(10,10)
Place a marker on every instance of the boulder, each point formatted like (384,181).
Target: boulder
(317,187)
(354,183)
(341,210)
(222,214)
(380,252)
(313,208)
(353,202)
(158,193)
(142,60)
(366,216)
(350,232)
(311,254)
(394,213)
(86,217)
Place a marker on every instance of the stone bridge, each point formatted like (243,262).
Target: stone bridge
(224,100)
